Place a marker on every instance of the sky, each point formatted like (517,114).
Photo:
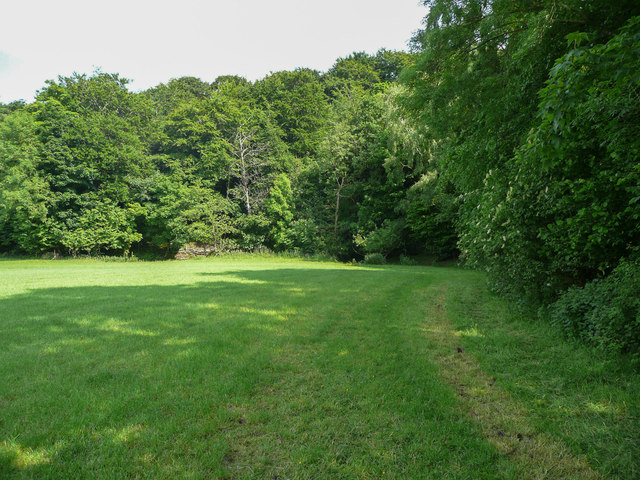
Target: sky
(152,41)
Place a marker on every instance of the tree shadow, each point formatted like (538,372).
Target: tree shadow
(84,363)
(192,380)
(91,371)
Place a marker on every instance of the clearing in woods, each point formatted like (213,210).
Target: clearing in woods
(246,367)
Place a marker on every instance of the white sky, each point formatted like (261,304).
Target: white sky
(151,41)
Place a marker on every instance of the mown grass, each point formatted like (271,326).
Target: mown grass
(275,368)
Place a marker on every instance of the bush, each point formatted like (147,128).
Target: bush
(375,259)
(304,235)
(386,239)
(605,312)
(566,207)
(404,260)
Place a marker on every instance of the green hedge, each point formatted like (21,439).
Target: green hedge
(605,312)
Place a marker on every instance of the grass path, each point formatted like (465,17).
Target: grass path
(504,422)
(251,368)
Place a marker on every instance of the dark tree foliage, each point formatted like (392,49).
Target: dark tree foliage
(295,161)
(530,111)
(511,138)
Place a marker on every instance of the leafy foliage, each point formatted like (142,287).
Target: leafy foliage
(529,113)
(566,209)
(605,312)
(512,138)
(374,259)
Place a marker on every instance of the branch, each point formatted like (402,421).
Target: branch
(488,40)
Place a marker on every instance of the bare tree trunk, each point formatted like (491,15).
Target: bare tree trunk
(246,200)
(248,169)
(338,196)
(244,174)
(244,180)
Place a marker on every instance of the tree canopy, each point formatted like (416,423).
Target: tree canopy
(509,135)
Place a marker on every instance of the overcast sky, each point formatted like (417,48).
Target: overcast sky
(151,41)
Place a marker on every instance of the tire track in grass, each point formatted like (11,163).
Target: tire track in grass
(503,422)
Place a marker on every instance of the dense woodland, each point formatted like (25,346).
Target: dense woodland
(509,136)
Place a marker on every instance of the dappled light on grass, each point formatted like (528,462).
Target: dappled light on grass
(25,457)
(125,328)
(606,407)
(275,314)
(180,341)
(504,422)
(273,367)
(469,332)
(246,370)
(126,434)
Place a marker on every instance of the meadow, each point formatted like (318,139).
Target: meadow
(270,368)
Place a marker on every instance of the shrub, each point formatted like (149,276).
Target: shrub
(566,208)
(304,235)
(375,259)
(605,312)
(404,260)
(385,239)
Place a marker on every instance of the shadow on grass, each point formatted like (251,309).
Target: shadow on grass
(96,378)
(85,363)
(253,369)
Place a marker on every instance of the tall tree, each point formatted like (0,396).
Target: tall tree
(299,106)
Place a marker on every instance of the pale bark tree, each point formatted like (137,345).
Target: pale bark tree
(249,167)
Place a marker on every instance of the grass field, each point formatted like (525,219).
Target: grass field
(285,369)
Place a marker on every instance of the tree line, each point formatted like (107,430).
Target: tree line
(296,161)
(531,110)
(509,135)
